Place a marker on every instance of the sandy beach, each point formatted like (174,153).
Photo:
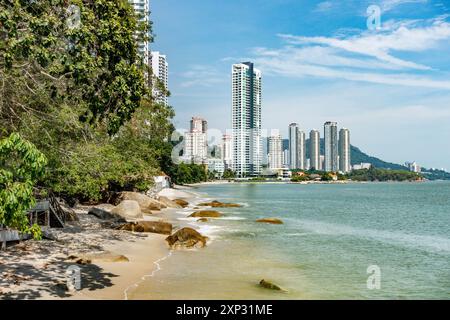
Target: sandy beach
(118,260)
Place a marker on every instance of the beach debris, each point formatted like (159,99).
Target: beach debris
(128,209)
(202,220)
(146,203)
(186,238)
(206,214)
(218,204)
(269,285)
(270,220)
(169,203)
(148,226)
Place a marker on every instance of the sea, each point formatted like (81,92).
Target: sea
(338,241)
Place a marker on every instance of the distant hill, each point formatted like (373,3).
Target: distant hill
(357,156)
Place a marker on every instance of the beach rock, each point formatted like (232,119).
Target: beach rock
(98,257)
(181,202)
(206,214)
(186,238)
(218,204)
(169,203)
(104,213)
(128,209)
(202,220)
(269,285)
(270,220)
(146,203)
(148,226)
(69,214)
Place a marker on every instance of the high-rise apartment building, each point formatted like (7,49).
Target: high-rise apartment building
(160,69)
(246,119)
(344,150)
(196,143)
(314,150)
(275,152)
(301,147)
(293,146)
(331,146)
(142,9)
(227,151)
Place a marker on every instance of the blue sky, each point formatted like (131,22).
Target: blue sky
(390,87)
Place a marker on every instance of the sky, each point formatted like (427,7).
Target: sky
(321,61)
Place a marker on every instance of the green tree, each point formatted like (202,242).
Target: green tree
(21,164)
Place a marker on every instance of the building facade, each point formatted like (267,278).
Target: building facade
(142,9)
(227,151)
(314,150)
(160,69)
(246,120)
(275,152)
(344,151)
(196,142)
(301,147)
(331,146)
(293,145)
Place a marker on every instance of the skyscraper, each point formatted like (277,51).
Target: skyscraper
(293,146)
(142,8)
(344,150)
(160,69)
(246,119)
(275,152)
(301,156)
(314,150)
(331,146)
(227,152)
(196,144)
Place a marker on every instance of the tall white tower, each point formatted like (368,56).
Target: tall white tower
(246,119)
(227,151)
(344,150)
(293,146)
(142,8)
(196,143)
(331,146)
(275,152)
(314,150)
(160,69)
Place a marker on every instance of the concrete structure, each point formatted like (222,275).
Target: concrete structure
(286,158)
(275,152)
(227,150)
(246,120)
(361,166)
(344,151)
(314,150)
(331,146)
(142,8)
(216,165)
(413,167)
(293,146)
(160,69)
(196,143)
(301,147)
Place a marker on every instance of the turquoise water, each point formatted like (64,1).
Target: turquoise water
(331,234)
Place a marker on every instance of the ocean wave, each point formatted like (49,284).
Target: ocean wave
(423,242)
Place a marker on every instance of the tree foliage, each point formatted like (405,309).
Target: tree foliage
(21,165)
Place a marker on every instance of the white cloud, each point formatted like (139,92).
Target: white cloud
(367,57)
(324,6)
(387,5)
(201,76)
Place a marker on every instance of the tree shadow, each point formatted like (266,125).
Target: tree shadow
(50,279)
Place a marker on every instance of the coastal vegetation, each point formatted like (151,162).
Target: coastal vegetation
(376,174)
(77,107)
